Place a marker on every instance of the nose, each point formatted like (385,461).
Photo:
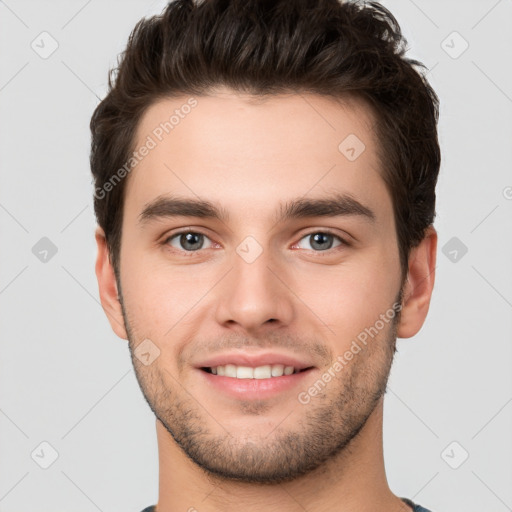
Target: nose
(254,295)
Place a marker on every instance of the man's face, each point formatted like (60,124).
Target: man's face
(255,282)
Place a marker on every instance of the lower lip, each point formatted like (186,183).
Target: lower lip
(254,389)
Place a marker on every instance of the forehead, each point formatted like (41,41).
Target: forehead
(244,151)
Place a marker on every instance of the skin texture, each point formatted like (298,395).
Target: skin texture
(218,453)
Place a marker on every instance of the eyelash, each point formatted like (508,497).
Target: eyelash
(343,243)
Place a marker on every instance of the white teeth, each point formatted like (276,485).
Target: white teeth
(247,372)
(263,372)
(230,370)
(277,370)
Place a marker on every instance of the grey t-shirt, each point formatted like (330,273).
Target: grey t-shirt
(414,506)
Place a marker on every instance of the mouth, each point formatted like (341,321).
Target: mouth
(251,375)
(253,383)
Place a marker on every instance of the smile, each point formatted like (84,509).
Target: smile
(249,372)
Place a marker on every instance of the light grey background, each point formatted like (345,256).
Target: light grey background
(67,380)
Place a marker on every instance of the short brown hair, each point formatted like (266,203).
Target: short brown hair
(333,48)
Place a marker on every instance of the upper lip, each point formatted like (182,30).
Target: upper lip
(255,360)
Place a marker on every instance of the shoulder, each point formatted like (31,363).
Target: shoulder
(415,507)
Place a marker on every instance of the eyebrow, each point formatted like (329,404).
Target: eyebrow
(334,205)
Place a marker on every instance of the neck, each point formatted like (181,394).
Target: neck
(354,480)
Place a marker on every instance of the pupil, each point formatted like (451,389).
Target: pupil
(321,238)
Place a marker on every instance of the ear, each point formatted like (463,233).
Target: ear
(419,285)
(108,286)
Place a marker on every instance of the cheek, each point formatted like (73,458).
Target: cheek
(159,301)
(146,297)
(349,298)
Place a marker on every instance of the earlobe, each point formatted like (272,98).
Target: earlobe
(108,287)
(419,285)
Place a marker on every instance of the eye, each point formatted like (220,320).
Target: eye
(189,241)
(321,241)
